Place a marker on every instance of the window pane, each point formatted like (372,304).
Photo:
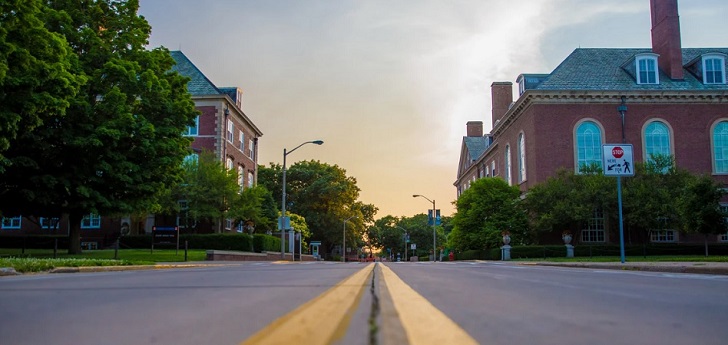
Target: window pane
(657,139)
(720,148)
(589,145)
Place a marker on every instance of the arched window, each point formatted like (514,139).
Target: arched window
(508,165)
(588,145)
(521,158)
(657,140)
(720,147)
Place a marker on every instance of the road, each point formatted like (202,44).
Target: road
(391,303)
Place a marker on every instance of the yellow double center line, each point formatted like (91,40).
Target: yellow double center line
(325,318)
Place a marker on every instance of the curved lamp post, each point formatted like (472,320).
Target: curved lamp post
(434,249)
(283,203)
(343,246)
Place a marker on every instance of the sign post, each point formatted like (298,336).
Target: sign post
(618,161)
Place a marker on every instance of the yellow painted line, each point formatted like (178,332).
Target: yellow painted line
(423,323)
(319,321)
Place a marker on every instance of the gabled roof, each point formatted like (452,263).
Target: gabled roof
(476,146)
(472,149)
(601,69)
(199,84)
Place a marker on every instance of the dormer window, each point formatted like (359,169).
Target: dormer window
(646,65)
(713,69)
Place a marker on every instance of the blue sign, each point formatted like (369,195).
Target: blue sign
(437,217)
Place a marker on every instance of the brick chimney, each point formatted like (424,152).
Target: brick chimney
(475,128)
(502,96)
(666,37)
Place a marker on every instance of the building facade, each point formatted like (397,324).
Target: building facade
(676,102)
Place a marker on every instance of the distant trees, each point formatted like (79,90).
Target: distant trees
(325,196)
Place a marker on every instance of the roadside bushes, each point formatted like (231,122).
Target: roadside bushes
(238,242)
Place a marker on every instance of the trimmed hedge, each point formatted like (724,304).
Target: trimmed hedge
(238,242)
(262,242)
(583,250)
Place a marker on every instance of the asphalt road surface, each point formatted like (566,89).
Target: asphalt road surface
(390,303)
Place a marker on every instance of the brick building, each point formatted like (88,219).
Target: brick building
(677,104)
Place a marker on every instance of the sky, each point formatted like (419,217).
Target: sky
(389,85)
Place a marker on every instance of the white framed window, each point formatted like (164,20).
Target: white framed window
(241,136)
(49,223)
(239,227)
(521,158)
(647,72)
(663,236)
(492,169)
(91,221)
(12,223)
(657,139)
(240,177)
(507,172)
(228,224)
(593,230)
(230,130)
(720,147)
(714,69)
(251,180)
(193,130)
(251,149)
(229,163)
(588,145)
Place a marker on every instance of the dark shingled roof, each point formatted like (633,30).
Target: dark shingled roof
(601,69)
(199,85)
(476,146)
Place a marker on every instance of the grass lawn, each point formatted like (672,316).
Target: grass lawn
(38,260)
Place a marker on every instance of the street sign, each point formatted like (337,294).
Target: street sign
(437,217)
(284,223)
(413,246)
(617,160)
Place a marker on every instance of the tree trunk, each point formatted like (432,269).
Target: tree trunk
(706,245)
(74,233)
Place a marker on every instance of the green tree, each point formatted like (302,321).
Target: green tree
(420,234)
(489,207)
(651,198)
(36,81)
(209,191)
(700,208)
(324,196)
(566,200)
(120,142)
(253,205)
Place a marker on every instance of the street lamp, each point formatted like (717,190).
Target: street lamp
(343,245)
(434,215)
(283,203)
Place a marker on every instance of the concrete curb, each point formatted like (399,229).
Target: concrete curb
(124,268)
(694,268)
(8,271)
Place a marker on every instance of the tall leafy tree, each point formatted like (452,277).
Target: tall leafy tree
(700,208)
(489,207)
(567,199)
(36,79)
(420,234)
(120,142)
(210,190)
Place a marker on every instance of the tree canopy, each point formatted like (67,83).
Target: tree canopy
(489,207)
(120,140)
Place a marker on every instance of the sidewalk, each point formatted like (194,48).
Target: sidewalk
(720,268)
